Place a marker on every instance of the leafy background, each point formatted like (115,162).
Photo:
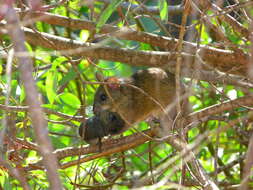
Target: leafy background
(66,85)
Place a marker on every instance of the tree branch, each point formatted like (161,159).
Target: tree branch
(32,99)
(223,60)
(218,108)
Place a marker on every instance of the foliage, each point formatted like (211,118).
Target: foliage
(66,84)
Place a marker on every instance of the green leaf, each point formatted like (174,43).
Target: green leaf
(107,13)
(51,83)
(1,67)
(84,35)
(68,77)
(74,4)
(69,99)
(60,10)
(22,94)
(57,62)
(7,185)
(14,86)
(163,7)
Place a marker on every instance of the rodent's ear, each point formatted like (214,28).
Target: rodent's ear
(100,77)
(113,82)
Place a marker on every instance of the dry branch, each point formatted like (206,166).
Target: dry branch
(46,110)
(245,101)
(35,110)
(125,143)
(224,60)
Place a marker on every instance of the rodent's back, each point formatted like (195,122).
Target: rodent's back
(146,92)
(159,87)
(159,84)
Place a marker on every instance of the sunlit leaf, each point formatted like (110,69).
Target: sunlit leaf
(84,35)
(69,100)
(51,85)
(163,7)
(22,94)
(107,13)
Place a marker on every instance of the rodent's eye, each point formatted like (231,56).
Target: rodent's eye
(112,117)
(103,97)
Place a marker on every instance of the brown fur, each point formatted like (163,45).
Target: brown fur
(129,100)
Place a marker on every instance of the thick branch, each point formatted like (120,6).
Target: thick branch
(35,111)
(218,108)
(221,59)
(224,60)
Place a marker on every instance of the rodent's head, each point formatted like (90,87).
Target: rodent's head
(107,95)
(103,124)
